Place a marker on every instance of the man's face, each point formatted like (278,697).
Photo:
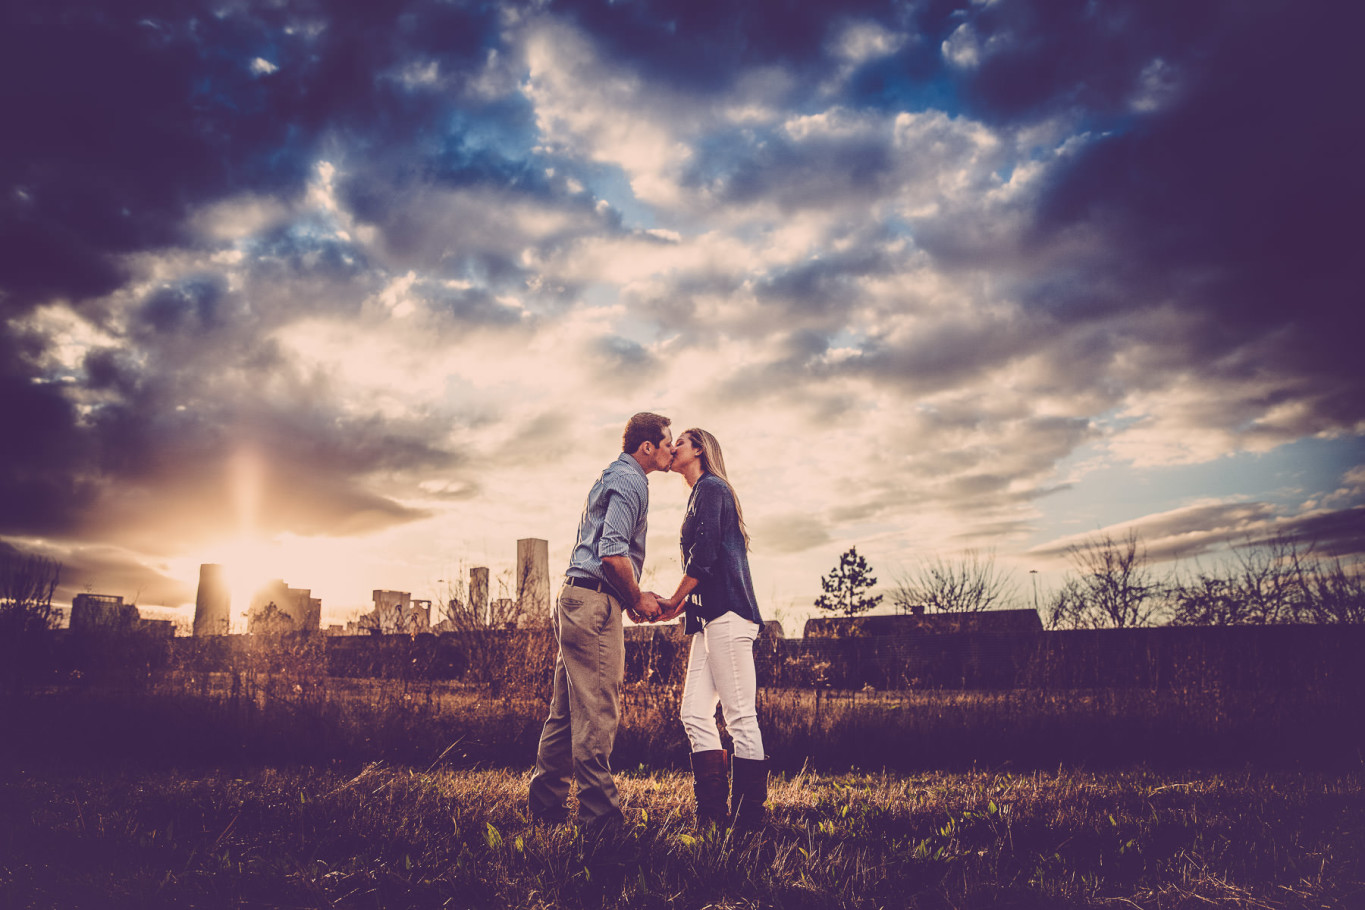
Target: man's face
(660,454)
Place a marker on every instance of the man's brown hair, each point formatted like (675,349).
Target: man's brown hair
(642,428)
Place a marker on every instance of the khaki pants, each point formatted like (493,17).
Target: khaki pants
(578,735)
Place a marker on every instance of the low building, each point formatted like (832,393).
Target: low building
(157,628)
(279,608)
(395,613)
(93,614)
(107,614)
(1021,622)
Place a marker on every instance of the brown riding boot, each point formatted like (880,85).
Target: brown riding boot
(711,784)
(750,792)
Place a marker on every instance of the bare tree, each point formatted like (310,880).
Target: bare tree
(1208,600)
(1333,591)
(459,614)
(1268,577)
(269,620)
(1261,583)
(27,583)
(1112,586)
(1277,580)
(1066,608)
(970,584)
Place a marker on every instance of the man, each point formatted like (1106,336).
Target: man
(602,581)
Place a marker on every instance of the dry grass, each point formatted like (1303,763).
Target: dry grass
(392,837)
(284,787)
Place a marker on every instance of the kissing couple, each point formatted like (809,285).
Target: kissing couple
(716,594)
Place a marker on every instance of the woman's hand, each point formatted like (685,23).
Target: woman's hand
(674,605)
(671,608)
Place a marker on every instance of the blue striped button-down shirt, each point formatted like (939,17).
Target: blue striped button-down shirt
(614,520)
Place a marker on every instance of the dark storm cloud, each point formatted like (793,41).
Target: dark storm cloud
(830,284)
(1333,533)
(106,570)
(1039,59)
(1236,200)
(473,306)
(189,306)
(1194,531)
(814,173)
(703,44)
(302,251)
(45,463)
(103,570)
(953,351)
(120,119)
(614,355)
(1181,533)
(155,443)
(123,122)
(170,479)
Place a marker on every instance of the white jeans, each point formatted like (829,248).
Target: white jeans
(720,668)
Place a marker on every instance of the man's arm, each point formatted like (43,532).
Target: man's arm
(625,508)
(621,575)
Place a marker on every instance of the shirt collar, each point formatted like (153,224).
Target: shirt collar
(630,461)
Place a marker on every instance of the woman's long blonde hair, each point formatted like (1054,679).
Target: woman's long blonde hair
(713,462)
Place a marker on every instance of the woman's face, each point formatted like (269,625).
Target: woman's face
(684,453)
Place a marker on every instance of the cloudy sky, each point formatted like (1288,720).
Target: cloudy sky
(360,293)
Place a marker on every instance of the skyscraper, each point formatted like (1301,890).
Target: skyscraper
(533,580)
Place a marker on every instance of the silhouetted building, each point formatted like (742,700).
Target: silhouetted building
(107,614)
(279,608)
(533,581)
(502,613)
(158,628)
(478,593)
(213,603)
(1014,621)
(395,612)
(102,614)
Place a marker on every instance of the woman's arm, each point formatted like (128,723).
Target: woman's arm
(701,553)
(674,605)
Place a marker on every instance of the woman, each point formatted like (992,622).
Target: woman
(722,617)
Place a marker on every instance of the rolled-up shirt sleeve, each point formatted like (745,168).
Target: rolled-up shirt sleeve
(624,506)
(702,553)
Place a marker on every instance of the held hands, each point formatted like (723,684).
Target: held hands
(671,608)
(646,609)
(653,608)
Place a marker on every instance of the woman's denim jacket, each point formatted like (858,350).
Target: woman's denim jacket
(713,553)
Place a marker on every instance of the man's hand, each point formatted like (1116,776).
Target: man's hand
(648,606)
(641,613)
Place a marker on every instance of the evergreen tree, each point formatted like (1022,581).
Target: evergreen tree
(847,584)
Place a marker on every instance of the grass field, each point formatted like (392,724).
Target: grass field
(384,836)
(382,794)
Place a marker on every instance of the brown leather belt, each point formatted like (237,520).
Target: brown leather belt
(590,583)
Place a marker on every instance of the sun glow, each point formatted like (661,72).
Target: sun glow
(246,567)
(338,571)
